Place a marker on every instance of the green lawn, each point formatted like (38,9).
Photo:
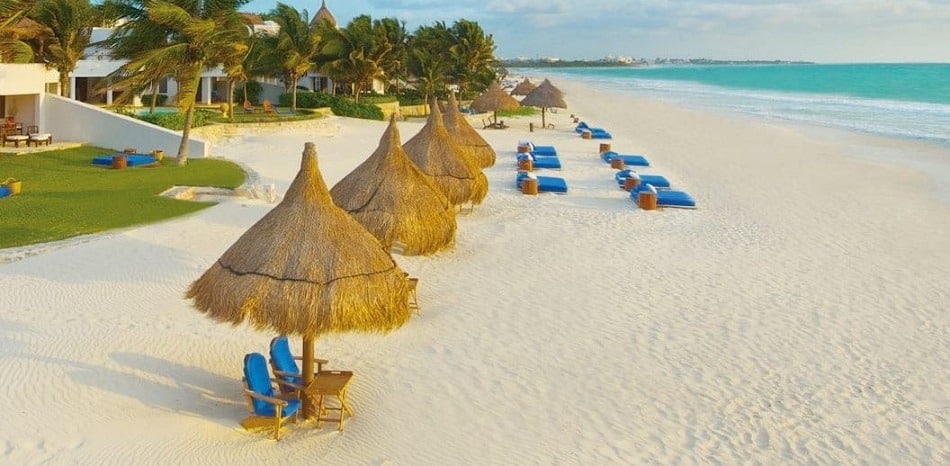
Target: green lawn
(64,195)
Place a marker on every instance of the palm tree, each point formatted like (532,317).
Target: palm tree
(292,50)
(428,60)
(69,23)
(200,35)
(393,32)
(353,54)
(473,56)
(237,67)
(12,49)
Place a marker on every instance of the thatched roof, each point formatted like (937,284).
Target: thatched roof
(323,14)
(473,144)
(391,197)
(545,96)
(494,99)
(307,267)
(524,87)
(440,157)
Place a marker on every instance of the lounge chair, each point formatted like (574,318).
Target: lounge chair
(599,133)
(268,107)
(664,197)
(635,160)
(550,161)
(284,363)
(249,107)
(267,408)
(551,184)
(658,181)
(36,137)
(538,150)
(131,160)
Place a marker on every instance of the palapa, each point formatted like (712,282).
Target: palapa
(473,145)
(442,159)
(545,96)
(395,201)
(493,100)
(307,268)
(524,87)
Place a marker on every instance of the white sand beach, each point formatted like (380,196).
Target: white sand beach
(798,316)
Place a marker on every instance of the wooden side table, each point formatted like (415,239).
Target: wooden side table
(327,384)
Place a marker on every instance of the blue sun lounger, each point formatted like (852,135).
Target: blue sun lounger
(550,161)
(665,197)
(538,150)
(658,181)
(599,133)
(550,184)
(132,160)
(636,160)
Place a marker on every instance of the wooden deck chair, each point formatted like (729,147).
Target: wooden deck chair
(268,107)
(248,107)
(284,363)
(267,408)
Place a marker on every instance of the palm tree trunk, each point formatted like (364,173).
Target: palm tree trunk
(230,99)
(151,107)
(64,84)
(185,134)
(293,94)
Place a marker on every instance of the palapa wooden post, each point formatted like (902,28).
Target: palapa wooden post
(307,373)
(630,183)
(525,164)
(616,163)
(604,147)
(647,200)
(529,186)
(120,161)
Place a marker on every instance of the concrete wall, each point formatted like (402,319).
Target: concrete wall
(70,120)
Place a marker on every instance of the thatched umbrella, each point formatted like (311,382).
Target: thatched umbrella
(493,100)
(473,144)
(395,201)
(545,96)
(307,268)
(440,157)
(524,87)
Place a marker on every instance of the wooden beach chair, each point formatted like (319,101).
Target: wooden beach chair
(284,363)
(268,408)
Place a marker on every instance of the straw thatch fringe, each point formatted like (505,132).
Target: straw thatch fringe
(473,145)
(393,199)
(441,158)
(306,268)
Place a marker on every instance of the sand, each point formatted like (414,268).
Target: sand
(799,315)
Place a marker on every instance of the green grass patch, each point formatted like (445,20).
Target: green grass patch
(520,111)
(64,195)
(241,117)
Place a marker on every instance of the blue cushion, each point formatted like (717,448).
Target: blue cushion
(631,159)
(659,181)
(599,133)
(667,197)
(283,360)
(5,191)
(269,410)
(132,160)
(547,162)
(258,381)
(581,127)
(543,150)
(551,184)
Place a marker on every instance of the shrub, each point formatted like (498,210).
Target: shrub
(160,100)
(254,90)
(176,121)
(340,105)
(409,96)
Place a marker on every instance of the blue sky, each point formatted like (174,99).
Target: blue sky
(812,30)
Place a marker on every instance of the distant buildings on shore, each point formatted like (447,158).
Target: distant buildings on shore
(555,62)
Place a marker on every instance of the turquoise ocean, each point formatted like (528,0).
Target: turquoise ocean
(908,101)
